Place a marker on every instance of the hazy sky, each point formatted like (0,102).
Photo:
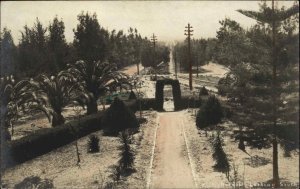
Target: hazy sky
(166,19)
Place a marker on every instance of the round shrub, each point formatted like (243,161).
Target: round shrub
(132,96)
(203,91)
(93,144)
(210,113)
(118,117)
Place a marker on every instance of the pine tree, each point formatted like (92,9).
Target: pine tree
(263,87)
(90,38)
(57,45)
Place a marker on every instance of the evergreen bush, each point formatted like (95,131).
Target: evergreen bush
(118,117)
(203,91)
(127,155)
(132,96)
(210,113)
(219,155)
(93,144)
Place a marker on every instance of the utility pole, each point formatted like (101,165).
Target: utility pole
(189,34)
(154,39)
(197,59)
(175,62)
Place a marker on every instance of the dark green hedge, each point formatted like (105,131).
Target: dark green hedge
(44,141)
(118,117)
(187,102)
(146,104)
(159,93)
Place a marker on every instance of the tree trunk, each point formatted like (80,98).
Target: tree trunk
(92,107)
(57,119)
(276,181)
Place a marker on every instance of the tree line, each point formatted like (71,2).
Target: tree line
(44,49)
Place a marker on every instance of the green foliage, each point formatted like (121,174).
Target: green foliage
(90,39)
(202,51)
(203,91)
(14,96)
(33,50)
(35,182)
(57,46)
(127,155)
(132,95)
(8,53)
(232,44)
(118,117)
(37,143)
(94,79)
(210,113)
(219,155)
(93,144)
(151,58)
(159,93)
(51,95)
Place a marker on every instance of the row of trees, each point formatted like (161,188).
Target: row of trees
(201,49)
(45,49)
(82,83)
(262,85)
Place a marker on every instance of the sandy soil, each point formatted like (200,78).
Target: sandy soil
(132,69)
(171,167)
(253,168)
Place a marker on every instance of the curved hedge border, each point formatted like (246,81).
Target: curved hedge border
(43,141)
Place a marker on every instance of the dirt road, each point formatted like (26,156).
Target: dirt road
(171,168)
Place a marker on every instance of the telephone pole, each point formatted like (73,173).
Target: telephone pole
(189,34)
(154,39)
(175,62)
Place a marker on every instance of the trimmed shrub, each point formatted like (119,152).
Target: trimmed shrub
(45,140)
(131,104)
(210,113)
(93,144)
(159,93)
(132,95)
(219,155)
(118,117)
(188,102)
(203,91)
(147,103)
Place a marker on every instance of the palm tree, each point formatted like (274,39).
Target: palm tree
(94,79)
(51,95)
(14,96)
(273,18)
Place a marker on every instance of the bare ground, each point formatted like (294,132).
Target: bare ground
(171,167)
(253,168)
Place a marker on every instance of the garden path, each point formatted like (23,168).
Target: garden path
(171,167)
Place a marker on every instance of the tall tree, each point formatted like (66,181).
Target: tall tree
(263,87)
(90,39)
(57,45)
(33,50)
(8,53)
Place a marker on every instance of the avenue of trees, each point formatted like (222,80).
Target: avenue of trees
(201,52)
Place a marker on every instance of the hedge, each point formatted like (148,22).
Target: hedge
(146,104)
(46,140)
